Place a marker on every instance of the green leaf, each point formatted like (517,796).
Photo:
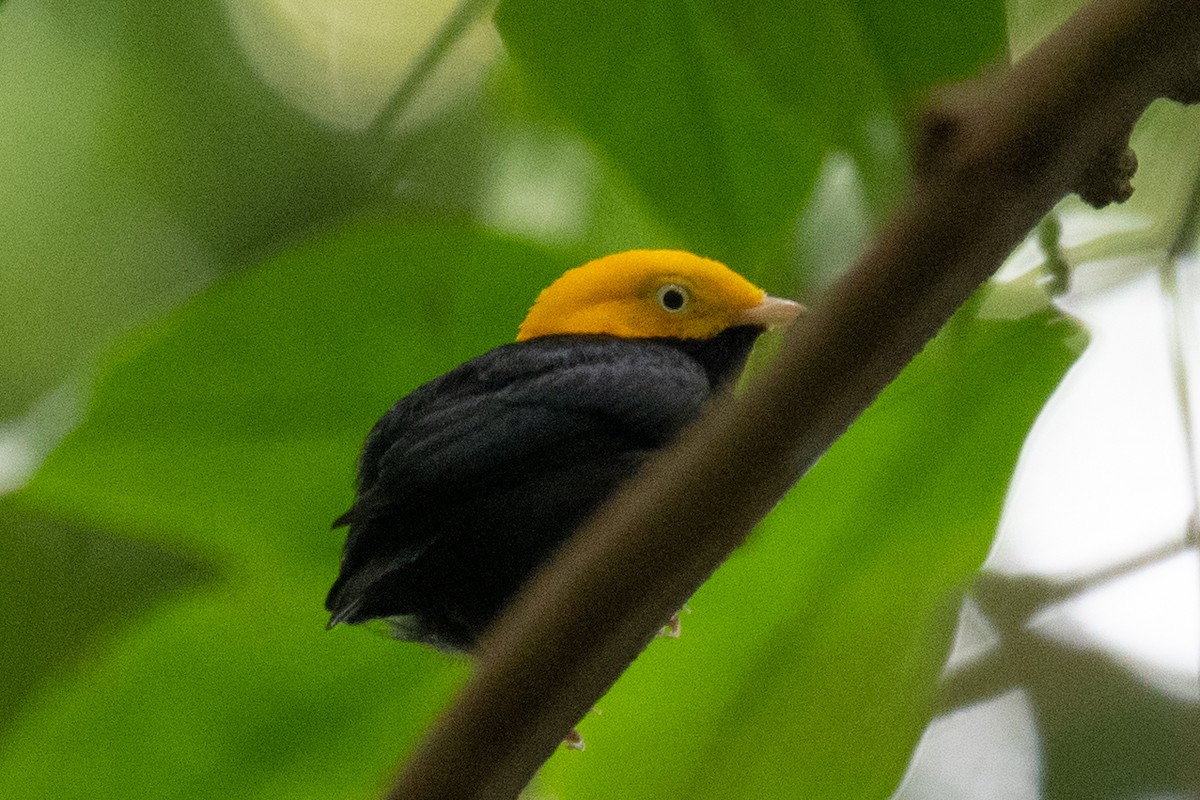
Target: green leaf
(62,589)
(920,44)
(230,429)
(664,93)
(721,113)
(806,668)
(236,691)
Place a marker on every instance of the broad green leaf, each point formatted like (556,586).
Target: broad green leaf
(62,589)
(670,99)
(234,691)
(544,182)
(230,430)
(232,427)
(721,112)
(920,44)
(807,664)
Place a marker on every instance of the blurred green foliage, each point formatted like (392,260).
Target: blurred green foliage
(721,113)
(166,566)
(141,159)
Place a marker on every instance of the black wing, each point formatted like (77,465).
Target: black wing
(510,411)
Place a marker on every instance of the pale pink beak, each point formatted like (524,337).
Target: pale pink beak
(772,312)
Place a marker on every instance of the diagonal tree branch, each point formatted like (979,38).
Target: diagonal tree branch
(992,157)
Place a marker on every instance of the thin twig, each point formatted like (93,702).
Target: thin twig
(995,157)
(1010,602)
(382,128)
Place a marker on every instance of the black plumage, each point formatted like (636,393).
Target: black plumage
(470,482)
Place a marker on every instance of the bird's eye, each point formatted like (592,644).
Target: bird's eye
(672,297)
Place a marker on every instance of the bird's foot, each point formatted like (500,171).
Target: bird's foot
(672,629)
(573,741)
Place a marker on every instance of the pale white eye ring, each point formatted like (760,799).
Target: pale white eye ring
(672,298)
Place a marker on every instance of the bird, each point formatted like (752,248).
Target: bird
(470,482)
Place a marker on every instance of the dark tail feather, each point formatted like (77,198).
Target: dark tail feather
(344,613)
(343,605)
(346,598)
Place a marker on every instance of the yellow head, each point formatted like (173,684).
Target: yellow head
(652,293)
